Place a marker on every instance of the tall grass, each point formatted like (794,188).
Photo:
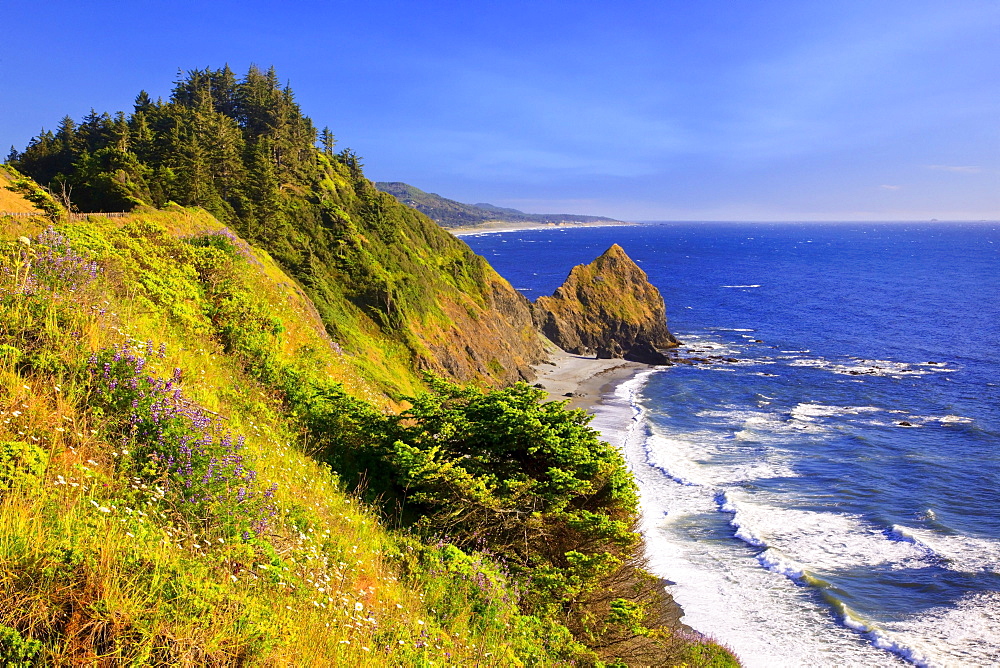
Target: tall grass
(131,531)
(98,562)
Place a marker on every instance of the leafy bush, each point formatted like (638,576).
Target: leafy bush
(15,651)
(21,464)
(505,470)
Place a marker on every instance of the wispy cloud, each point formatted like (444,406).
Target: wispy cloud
(888,187)
(959,169)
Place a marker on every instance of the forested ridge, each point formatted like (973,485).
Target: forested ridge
(272,417)
(220,143)
(380,273)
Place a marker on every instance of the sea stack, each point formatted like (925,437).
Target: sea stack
(607,308)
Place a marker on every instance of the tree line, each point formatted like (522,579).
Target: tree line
(221,143)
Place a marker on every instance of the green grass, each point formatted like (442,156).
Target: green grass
(102,562)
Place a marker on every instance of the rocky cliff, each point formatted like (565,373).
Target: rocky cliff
(608,308)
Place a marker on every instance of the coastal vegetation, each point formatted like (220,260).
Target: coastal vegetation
(390,286)
(271,416)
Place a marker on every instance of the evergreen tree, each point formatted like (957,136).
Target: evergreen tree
(142,102)
(328,142)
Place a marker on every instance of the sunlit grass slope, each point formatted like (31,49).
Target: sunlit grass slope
(105,557)
(159,504)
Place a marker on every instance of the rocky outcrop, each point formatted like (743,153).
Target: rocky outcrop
(607,308)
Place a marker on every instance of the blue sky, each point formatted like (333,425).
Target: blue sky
(739,110)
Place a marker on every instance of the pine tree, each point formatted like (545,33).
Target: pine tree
(328,142)
(142,102)
(263,188)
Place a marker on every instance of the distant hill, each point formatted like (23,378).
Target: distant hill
(449,213)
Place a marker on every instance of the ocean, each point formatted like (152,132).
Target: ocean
(832,497)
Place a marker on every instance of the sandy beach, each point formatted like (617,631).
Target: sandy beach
(582,380)
(500,226)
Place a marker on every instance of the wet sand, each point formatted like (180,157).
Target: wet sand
(582,380)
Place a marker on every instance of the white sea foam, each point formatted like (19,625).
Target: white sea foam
(881,639)
(740,286)
(965,554)
(820,541)
(775,466)
(954,419)
(865,367)
(927,420)
(774,560)
(761,426)
(620,414)
(809,412)
(695,346)
(676,459)
(744,527)
(966,634)
(723,588)
(760,612)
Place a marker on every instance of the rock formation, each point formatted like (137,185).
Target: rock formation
(607,308)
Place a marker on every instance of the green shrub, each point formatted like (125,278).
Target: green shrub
(22,464)
(15,651)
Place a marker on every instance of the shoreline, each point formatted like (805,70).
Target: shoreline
(497,227)
(593,384)
(585,381)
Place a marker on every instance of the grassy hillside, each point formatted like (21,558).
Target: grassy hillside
(393,289)
(449,213)
(162,384)
(230,432)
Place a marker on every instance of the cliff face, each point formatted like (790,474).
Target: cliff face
(492,342)
(607,307)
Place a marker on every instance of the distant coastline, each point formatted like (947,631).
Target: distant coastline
(498,226)
(452,214)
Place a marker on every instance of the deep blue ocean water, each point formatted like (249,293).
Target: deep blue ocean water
(832,498)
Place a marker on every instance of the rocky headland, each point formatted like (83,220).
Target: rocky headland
(609,309)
